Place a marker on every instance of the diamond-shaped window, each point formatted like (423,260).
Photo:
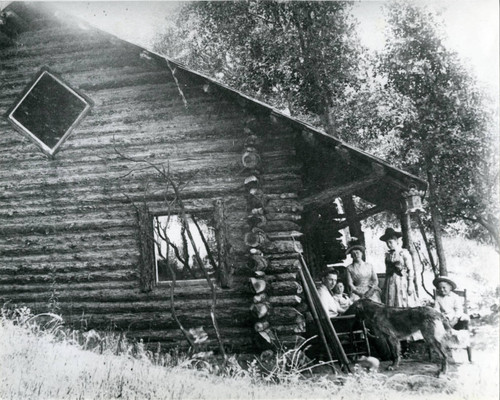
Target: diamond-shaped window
(48,110)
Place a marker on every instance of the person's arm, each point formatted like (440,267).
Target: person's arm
(328,303)
(437,306)
(350,283)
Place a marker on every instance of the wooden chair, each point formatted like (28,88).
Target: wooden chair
(353,335)
(463,294)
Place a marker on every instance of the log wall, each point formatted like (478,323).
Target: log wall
(69,232)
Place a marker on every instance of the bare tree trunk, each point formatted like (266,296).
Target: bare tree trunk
(436,226)
(490,223)
(427,246)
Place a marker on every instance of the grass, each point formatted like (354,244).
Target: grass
(34,366)
(40,359)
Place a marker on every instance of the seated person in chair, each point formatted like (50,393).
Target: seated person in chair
(450,304)
(328,282)
(343,300)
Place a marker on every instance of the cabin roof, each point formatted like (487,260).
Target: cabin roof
(398,177)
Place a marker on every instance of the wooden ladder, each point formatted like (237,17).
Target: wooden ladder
(326,331)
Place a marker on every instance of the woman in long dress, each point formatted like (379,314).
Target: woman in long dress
(361,277)
(399,286)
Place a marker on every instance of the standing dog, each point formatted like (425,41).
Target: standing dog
(394,324)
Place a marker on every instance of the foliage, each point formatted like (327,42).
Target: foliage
(415,106)
(449,138)
(300,56)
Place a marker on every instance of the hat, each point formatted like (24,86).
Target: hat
(354,244)
(440,279)
(390,233)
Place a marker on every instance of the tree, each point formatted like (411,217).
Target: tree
(414,106)
(300,56)
(448,142)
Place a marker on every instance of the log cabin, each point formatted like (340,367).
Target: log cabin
(95,132)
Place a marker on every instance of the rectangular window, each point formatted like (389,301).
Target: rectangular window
(174,251)
(48,110)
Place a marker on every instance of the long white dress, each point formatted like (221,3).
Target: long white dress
(398,277)
(363,277)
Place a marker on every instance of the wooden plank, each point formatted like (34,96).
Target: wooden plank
(329,195)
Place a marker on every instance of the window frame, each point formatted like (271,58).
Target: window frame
(31,136)
(205,214)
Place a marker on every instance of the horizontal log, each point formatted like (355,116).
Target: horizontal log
(80,256)
(282,196)
(240,345)
(236,316)
(277,226)
(285,287)
(286,265)
(63,267)
(290,300)
(7,290)
(284,315)
(284,246)
(68,246)
(284,235)
(102,276)
(227,333)
(277,206)
(195,306)
(287,276)
(286,330)
(73,293)
(282,216)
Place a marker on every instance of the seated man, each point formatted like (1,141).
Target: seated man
(342,299)
(328,281)
(450,304)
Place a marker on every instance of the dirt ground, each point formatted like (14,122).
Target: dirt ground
(476,380)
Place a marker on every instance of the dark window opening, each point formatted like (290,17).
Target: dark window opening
(48,111)
(174,251)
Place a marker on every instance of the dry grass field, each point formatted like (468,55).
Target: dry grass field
(54,363)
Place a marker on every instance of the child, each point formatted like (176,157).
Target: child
(450,304)
(344,302)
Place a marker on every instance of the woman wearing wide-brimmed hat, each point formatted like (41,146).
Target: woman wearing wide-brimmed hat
(361,277)
(399,287)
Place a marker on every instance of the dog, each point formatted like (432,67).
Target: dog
(394,324)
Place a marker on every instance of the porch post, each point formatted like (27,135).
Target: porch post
(405,219)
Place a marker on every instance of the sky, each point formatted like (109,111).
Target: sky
(472,26)
(472,30)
